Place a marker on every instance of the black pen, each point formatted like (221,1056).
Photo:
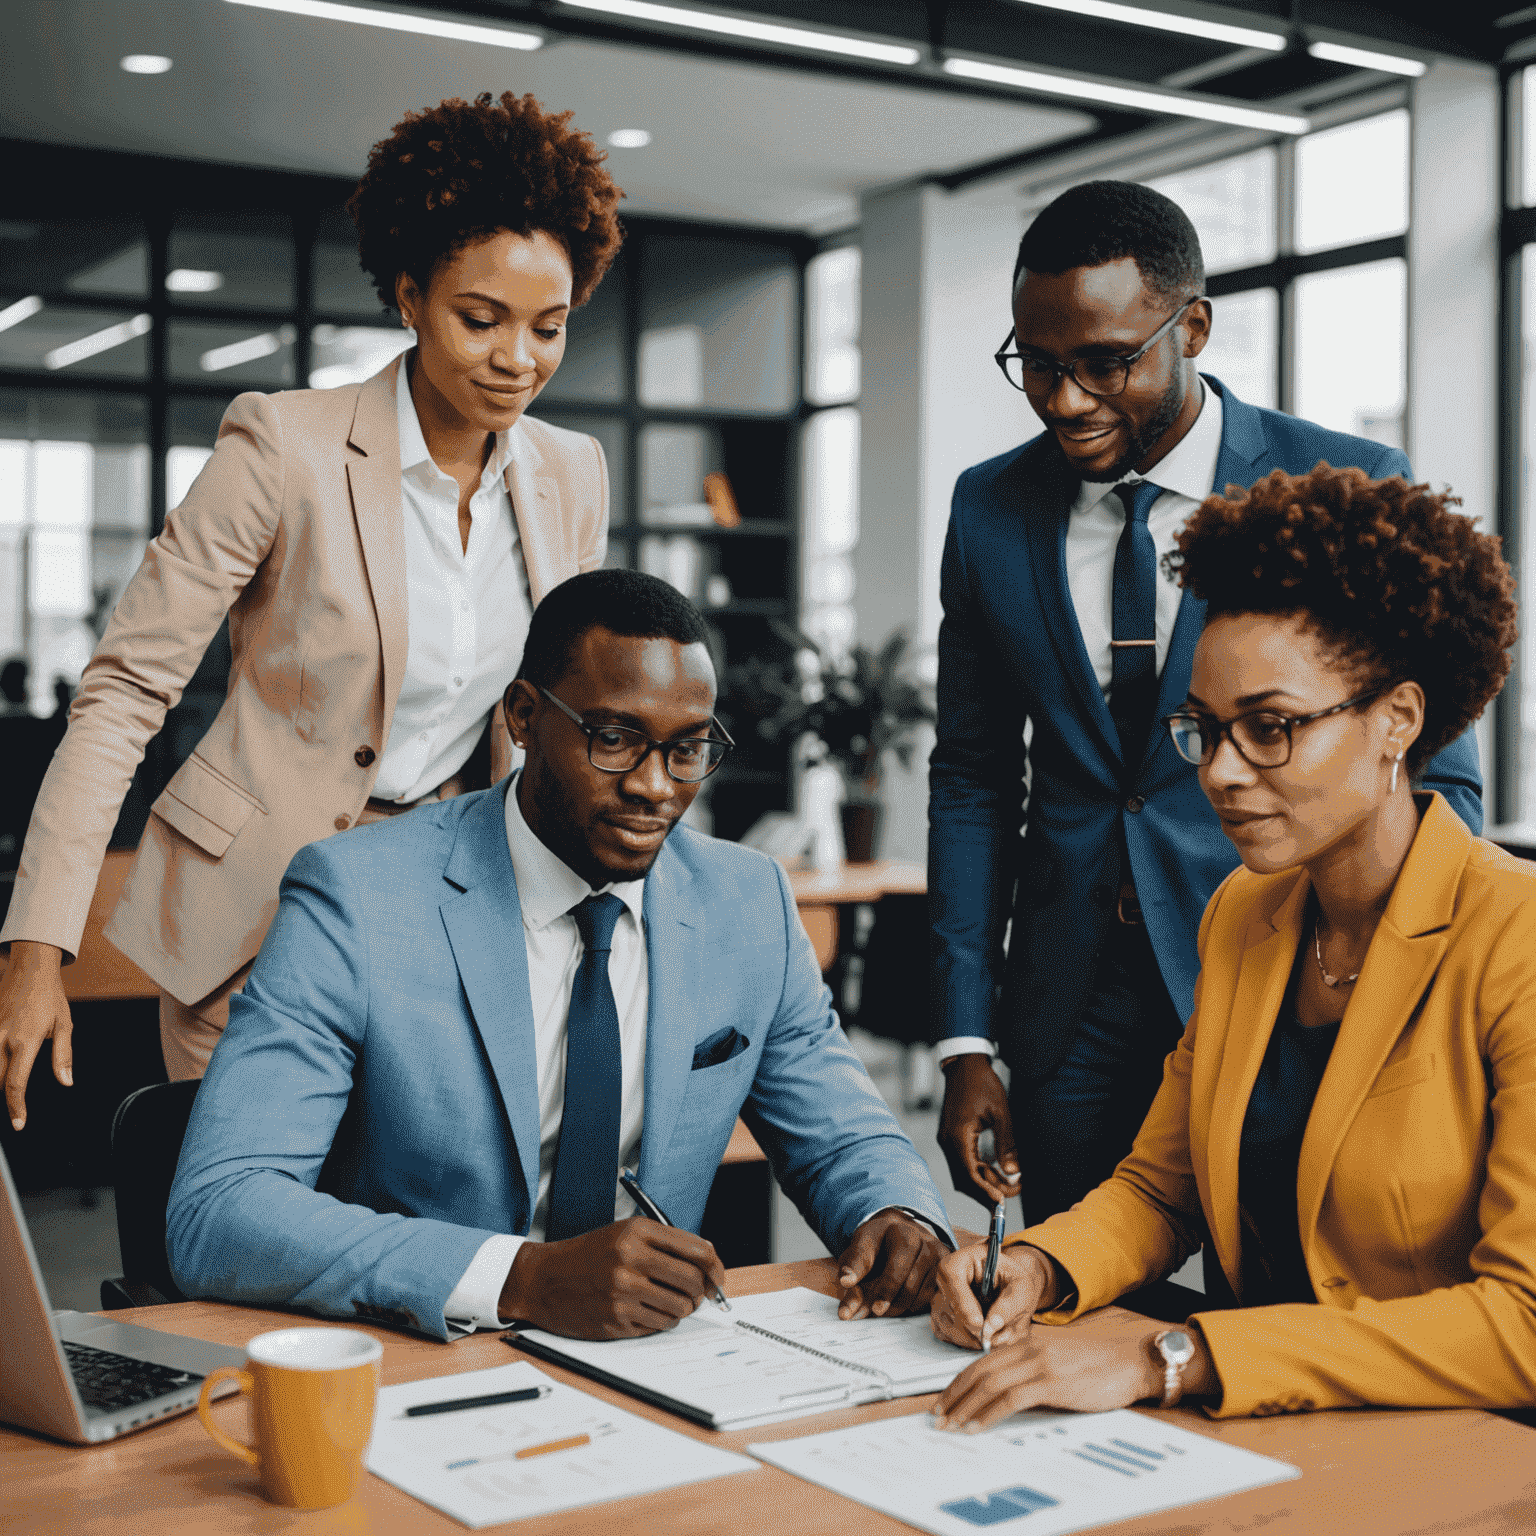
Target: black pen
(994,1252)
(648,1207)
(523,1395)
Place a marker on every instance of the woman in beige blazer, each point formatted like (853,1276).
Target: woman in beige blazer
(377,549)
(1349,1118)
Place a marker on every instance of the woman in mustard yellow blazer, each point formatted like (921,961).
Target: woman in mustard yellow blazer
(1351,1113)
(377,549)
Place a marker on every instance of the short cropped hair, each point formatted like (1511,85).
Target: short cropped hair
(1398,586)
(1102,221)
(626,602)
(461,171)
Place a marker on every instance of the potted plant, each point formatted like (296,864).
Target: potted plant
(852,708)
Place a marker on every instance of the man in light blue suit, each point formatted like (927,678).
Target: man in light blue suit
(1058,620)
(464,1019)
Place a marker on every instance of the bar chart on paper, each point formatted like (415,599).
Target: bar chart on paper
(1041,1474)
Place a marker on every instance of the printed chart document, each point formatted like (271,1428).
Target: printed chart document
(1037,1474)
(484,1466)
(772,1357)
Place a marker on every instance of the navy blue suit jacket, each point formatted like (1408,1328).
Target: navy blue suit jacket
(1010,651)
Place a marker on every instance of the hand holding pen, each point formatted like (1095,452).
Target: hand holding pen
(648,1207)
(986,1291)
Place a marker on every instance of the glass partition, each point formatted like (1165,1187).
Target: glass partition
(1360,314)
(1352,183)
(231,261)
(1232,205)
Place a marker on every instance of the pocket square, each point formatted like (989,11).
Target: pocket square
(722,1046)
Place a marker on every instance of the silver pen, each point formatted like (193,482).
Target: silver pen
(648,1207)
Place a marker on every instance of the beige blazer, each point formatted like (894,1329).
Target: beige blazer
(294,529)
(1416,1190)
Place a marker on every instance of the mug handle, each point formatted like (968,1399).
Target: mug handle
(204,1409)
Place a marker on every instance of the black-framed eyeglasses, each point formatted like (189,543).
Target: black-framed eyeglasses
(1036,374)
(618,749)
(1262,737)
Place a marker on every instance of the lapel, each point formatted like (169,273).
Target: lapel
(374,483)
(1268,953)
(675,962)
(1244,457)
(483,917)
(1046,490)
(535,494)
(1405,953)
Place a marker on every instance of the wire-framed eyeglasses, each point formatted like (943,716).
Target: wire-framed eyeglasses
(618,749)
(1262,736)
(1036,374)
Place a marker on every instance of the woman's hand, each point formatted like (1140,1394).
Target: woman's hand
(1026,1284)
(1053,1368)
(33,1008)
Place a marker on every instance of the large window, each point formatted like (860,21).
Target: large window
(1306,261)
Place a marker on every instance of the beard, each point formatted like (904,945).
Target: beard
(1143,438)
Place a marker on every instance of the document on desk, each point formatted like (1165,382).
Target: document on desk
(777,1356)
(484,1466)
(1037,1474)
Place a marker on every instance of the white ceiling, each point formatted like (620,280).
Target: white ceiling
(732,142)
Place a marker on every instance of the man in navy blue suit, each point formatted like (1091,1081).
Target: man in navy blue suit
(1063,644)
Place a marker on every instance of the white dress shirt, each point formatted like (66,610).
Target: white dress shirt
(467,610)
(1187,474)
(548,888)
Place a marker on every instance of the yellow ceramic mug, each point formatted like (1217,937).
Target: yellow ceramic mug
(313,1392)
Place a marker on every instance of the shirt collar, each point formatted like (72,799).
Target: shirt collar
(1188,468)
(547,886)
(413,444)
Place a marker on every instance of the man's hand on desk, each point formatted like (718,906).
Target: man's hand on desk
(890,1267)
(974,1101)
(633,1277)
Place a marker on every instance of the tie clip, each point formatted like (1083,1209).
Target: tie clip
(1116,645)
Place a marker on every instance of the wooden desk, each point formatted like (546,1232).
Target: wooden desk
(820,897)
(1365,1473)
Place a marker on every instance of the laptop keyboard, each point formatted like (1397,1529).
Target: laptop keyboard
(110,1381)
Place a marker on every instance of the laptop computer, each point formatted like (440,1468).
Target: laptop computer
(77,1376)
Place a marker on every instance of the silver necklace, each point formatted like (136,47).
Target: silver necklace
(1317,947)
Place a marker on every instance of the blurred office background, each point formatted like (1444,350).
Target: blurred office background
(823,205)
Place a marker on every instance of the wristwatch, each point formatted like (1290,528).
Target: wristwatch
(1175,1349)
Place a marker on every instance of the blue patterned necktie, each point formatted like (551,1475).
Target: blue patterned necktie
(585,1182)
(1133,676)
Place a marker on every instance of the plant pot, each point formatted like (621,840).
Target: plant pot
(861,829)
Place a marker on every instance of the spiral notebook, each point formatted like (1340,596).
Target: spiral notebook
(778,1356)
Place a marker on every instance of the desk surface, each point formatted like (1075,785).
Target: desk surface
(857,883)
(1366,1473)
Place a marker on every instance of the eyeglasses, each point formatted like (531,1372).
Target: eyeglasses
(617,749)
(1262,737)
(1036,374)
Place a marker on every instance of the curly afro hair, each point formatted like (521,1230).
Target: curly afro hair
(460,171)
(1100,221)
(1398,585)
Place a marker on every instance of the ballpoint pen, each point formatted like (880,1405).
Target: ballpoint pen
(648,1207)
(988,1288)
(491,1400)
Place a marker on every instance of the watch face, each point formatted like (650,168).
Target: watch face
(1176,1346)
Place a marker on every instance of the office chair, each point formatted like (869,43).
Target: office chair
(893,990)
(147,1133)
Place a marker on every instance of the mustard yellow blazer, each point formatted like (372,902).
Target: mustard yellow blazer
(1416,1188)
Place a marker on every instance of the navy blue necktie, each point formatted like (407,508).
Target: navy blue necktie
(1133,678)
(586,1177)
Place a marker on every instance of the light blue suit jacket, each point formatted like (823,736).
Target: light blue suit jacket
(371,1115)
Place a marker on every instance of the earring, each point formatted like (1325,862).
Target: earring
(1395,761)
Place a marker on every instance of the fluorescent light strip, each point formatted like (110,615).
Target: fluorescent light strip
(754,31)
(99,341)
(1163,21)
(217,359)
(193,280)
(1365,58)
(401,21)
(22,309)
(1133,97)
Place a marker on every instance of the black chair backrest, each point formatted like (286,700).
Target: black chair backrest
(893,995)
(147,1132)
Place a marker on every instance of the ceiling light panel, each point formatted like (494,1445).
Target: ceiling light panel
(1165,21)
(401,21)
(144,63)
(1135,99)
(1366,58)
(73,352)
(22,309)
(752,31)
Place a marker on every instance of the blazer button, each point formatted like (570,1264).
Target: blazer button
(1135,803)
(363,756)
(343,822)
